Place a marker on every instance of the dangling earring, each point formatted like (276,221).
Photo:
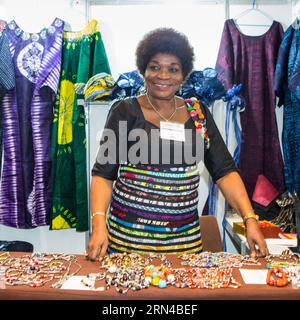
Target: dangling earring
(144,88)
(180,90)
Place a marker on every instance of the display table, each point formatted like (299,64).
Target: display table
(240,242)
(152,293)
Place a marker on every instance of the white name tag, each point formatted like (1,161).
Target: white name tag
(172,131)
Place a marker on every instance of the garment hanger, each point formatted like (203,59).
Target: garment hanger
(296,23)
(253,9)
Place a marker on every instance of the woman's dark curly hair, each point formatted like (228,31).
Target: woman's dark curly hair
(165,40)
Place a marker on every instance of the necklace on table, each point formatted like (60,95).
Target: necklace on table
(160,115)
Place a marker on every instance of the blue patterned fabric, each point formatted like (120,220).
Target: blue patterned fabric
(235,103)
(204,85)
(129,84)
(287,88)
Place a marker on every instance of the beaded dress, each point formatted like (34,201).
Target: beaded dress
(154,206)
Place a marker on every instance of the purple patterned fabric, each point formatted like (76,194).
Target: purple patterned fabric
(251,61)
(25,194)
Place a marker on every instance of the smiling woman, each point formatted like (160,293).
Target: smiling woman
(165,58)
(152,206)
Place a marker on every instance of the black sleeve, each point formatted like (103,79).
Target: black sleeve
(109,169)
(217,158)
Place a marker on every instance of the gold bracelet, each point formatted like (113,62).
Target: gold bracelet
(98,213)
(250,215)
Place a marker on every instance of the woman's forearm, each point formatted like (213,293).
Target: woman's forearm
(235,193)
(101,193)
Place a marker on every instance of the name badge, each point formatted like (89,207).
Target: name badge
(172,131)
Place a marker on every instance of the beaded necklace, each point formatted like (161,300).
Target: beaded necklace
(204,278)
(217,259)
(37,269)
(135,272)
(289,264)
(195,110)
(283,260)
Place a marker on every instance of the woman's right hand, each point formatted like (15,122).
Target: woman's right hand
(98,243)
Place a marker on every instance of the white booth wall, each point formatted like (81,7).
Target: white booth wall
(122,26)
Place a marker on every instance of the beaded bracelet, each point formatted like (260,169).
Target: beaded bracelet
(281,282)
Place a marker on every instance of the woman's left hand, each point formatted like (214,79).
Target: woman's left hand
(256,240)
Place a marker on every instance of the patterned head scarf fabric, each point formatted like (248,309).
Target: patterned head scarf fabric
(204,85)
(99,87)
(128,84)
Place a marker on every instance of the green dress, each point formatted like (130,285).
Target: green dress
(83,56)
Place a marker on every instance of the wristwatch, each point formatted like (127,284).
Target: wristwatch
(250,215)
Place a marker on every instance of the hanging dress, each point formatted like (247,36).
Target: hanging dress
(27,117)
(230,132)
(83,56)
(250,61)
(287,87)
(7,77)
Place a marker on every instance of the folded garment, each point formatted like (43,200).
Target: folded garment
(264,199)
(203,85)
(98,87)
(129,84)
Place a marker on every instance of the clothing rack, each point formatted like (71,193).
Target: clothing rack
(256,9)
(227,4)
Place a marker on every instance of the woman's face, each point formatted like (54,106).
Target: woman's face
(163,76)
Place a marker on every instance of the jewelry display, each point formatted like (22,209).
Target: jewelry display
(126,271)
(283,260)
(204,278)
(217,259)
(132,271)
(37,269)
(287,261)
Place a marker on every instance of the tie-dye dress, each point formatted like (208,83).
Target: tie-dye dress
(83,56)
(27,117)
